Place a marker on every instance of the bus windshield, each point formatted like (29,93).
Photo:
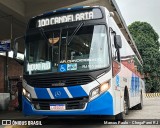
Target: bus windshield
(67,50)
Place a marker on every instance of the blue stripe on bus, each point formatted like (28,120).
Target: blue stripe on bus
(42,93)
(77,91)
(59,93)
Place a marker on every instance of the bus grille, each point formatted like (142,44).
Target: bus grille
(58,81)
(73,103)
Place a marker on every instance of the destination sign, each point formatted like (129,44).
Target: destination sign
(41,66)
(65,18)
(69,17)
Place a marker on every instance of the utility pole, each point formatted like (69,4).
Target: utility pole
(6,82)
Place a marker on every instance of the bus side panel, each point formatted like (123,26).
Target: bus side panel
(126,77)
(130,80)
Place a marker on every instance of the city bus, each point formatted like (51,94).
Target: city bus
(78,62)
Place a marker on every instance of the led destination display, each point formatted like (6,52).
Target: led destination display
(69,17)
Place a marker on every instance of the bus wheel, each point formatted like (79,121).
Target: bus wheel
(121,116)
(126,107)
(140,105)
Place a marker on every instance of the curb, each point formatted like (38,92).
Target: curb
(152,95)
(16,126)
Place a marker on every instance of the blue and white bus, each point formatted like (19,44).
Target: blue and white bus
(77,62)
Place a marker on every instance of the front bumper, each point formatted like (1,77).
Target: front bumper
(102,105)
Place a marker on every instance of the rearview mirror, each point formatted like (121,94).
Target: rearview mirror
(15,50)
(117,41)
(15,46)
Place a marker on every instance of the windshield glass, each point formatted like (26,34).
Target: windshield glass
(49,51)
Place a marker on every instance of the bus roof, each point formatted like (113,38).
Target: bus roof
(61,10)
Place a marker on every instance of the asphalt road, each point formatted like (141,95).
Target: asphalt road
(151,110)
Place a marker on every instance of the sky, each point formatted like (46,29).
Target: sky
(141,10)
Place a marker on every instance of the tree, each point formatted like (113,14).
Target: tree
(148,45)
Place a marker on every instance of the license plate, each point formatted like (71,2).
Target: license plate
(57,107)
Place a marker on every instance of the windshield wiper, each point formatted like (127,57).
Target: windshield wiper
(41,30)
(43,34)
(75,31)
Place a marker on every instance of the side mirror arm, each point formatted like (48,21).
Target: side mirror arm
(15,46)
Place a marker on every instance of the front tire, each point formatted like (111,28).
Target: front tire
(140,105)
(121,116)
(126,106)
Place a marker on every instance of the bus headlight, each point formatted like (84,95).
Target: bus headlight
(99,90)
(104,87)
(94,92)
(27,94)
